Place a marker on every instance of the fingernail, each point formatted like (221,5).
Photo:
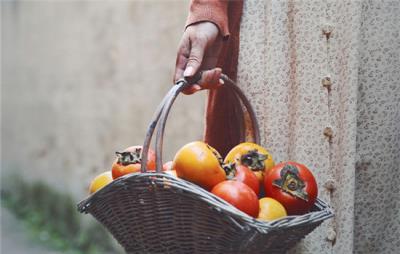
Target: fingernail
(188,72)
(221,81)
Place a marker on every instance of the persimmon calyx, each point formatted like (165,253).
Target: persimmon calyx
(254,160)
(126,158)
(230,170)
(291,182)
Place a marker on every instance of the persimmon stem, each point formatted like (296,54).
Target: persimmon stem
(126,158)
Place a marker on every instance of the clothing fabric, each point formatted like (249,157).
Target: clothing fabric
(224,114)
(323,78)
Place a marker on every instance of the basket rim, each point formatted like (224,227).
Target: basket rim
(321,213)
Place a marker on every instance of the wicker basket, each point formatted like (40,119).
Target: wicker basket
(158,213)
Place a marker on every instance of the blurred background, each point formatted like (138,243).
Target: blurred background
(79,81)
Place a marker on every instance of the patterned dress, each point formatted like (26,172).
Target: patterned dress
(323,77)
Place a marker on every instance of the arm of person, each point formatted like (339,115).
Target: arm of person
(201,43)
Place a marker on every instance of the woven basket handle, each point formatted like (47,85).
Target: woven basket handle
(163,109)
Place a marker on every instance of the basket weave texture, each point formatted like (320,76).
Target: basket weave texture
(159,213)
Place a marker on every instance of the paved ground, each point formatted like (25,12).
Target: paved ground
(14,240)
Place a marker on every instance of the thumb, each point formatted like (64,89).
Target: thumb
(195,58)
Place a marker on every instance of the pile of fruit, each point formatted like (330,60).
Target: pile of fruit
(247,178)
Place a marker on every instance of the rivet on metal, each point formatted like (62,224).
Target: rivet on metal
(331,235)
(328,132)
(327,83)
(327,30)
(330,185)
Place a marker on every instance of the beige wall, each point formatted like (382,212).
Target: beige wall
(81,79)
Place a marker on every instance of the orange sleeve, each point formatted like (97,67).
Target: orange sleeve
(214,11)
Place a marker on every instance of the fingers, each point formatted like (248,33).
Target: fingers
(199,49)
(189,58)
(182,58)
(198,46)
(192,89)
(210,79)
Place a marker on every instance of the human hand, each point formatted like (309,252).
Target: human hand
(199,50)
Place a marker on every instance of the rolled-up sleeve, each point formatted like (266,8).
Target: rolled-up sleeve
(215,11)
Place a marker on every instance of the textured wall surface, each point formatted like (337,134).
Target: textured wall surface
(81,79)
